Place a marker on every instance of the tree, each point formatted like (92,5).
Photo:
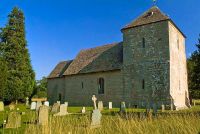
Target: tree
(13,45)
(194,72)
(40,88)
(3,78)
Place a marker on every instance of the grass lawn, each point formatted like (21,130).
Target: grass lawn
(176,122)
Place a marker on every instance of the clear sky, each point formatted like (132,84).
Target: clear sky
(58,29)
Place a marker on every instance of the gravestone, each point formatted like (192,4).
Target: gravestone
(123,107)
(33,105)
(58,102)
(110,105)
(46,103)
(94,99)
(12,106)
(63,110)
(38,105)
(163,107)
(155,109)
(14,120)
(83,110)
(27,101)
(100,105)
(55,108)
(66,103)
(43,115)
(96,115)
(1,106)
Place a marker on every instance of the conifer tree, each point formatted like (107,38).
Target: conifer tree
(3,77)
(21,77)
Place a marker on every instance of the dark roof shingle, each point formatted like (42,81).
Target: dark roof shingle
(154,14)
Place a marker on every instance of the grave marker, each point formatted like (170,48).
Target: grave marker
(83,110)
(43,115)
(1,106)
(96,115)
(55,108)
(39,103)
(123,107)
(14,120)
(46,103)
(63,110)
(110,105)
(33,105)
(100,105)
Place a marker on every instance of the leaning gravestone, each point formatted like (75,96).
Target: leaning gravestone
(1,106)
(43,115)
(46,103)
(63,110)
(100,105)
(27,101)
(14,120)
(96,115)
(38,105)
(55,108)
(123,107)
(33,105)
(110,105)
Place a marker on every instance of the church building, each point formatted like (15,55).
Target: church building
(147,67)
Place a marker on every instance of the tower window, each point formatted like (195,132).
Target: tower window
(143,42)
(82,85)
(143,84)
(101,86)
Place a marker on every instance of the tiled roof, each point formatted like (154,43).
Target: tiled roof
(103,58)
(59,69)
(154,14)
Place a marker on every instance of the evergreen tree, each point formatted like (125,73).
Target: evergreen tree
(3,78)
(21,77)
(194,72)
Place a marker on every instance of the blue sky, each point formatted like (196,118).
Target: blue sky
(58,29)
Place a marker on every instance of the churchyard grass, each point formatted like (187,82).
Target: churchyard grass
(177,122)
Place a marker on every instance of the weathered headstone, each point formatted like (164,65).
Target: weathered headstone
(33,105)
(110,105)
(12,106)
(123,107)
(38,105)
(94,99)
(63,110)
(58,102)
(96,118)
(155,109)
(43,115)
(162,107)
(27,101)
(100,105)
(1,106)
(55,108)
(46,103)
(66,103)
(14,120)
(83,110)
(96,115)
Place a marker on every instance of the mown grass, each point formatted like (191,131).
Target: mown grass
(181,122)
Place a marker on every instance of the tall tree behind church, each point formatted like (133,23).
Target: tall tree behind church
(21,77)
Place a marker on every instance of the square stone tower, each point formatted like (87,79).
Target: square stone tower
(154,61)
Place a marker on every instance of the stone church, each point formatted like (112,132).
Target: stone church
(147,67)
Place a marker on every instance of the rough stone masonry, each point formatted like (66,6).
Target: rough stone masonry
(148,67)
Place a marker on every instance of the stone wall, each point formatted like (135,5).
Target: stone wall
(146,63)
(178,67)
(78,96)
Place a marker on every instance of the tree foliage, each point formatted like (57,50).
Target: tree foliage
(20,76)
(40,89)
(193,64)
(3,77)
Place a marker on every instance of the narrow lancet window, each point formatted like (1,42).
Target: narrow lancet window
(101,86)
(143,42)
(143,84)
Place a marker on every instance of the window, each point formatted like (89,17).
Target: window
(101,86)
(82,85)
(143,42)
(59,97)
(143,84)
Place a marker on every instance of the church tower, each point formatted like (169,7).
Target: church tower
(154,61)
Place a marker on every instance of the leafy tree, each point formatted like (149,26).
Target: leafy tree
(194,72)
(40,89)
(21,77)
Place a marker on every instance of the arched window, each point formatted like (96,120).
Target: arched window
(101,86)
(59,96)
(143,84)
